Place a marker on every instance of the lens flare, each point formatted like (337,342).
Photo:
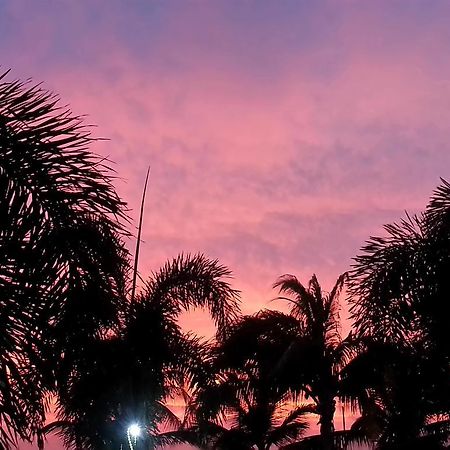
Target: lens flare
(134,430)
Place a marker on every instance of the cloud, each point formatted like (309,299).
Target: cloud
(300,113)
(280,134)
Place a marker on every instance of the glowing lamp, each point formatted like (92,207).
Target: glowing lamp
(134,430)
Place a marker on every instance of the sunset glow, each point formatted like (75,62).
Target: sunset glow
(280,135)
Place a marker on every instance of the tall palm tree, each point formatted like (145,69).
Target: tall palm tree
(127,377)
(314,359)
(60,244)
(242,406)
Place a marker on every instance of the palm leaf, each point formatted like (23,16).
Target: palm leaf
(340,439)
(51,189)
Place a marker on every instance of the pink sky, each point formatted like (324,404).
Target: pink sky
(280,134)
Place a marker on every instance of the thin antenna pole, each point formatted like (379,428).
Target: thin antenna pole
(138,242)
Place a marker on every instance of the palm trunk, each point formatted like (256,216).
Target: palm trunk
(326,409)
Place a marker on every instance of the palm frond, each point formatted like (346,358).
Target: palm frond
(340,439)
(293,425)
(303,304)
(437,213)
(167,419)
(189,282)
(51,189)
(138,239)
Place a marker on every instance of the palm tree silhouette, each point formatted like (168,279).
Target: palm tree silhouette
(394,387)
(399,289)
(399,284)
(242,406)
(314,360)
(60,249)
(127,378)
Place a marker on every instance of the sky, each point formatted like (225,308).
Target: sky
(280,134)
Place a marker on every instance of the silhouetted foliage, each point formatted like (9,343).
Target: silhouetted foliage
(128,377)
(314,360)
(400,290)
(61,257)
(395,387)
(342,439)
(71,327)
(400,285)
(242,406)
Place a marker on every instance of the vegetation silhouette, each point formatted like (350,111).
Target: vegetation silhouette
(399,292)
(403,279)
(394,387)
(73,326)
(126,378)
(62,258)
(243,405)
(319,353)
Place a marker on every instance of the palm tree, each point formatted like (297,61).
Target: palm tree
(399,284)
(394,387)
(242,406)
(60,245)
(316,356)
(399,289)
(127,377)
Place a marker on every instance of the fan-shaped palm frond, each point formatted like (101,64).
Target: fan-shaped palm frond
(317,312)
(304,306)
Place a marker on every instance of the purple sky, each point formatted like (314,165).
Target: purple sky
(280,134)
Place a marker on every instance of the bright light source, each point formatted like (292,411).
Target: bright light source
(134,430)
